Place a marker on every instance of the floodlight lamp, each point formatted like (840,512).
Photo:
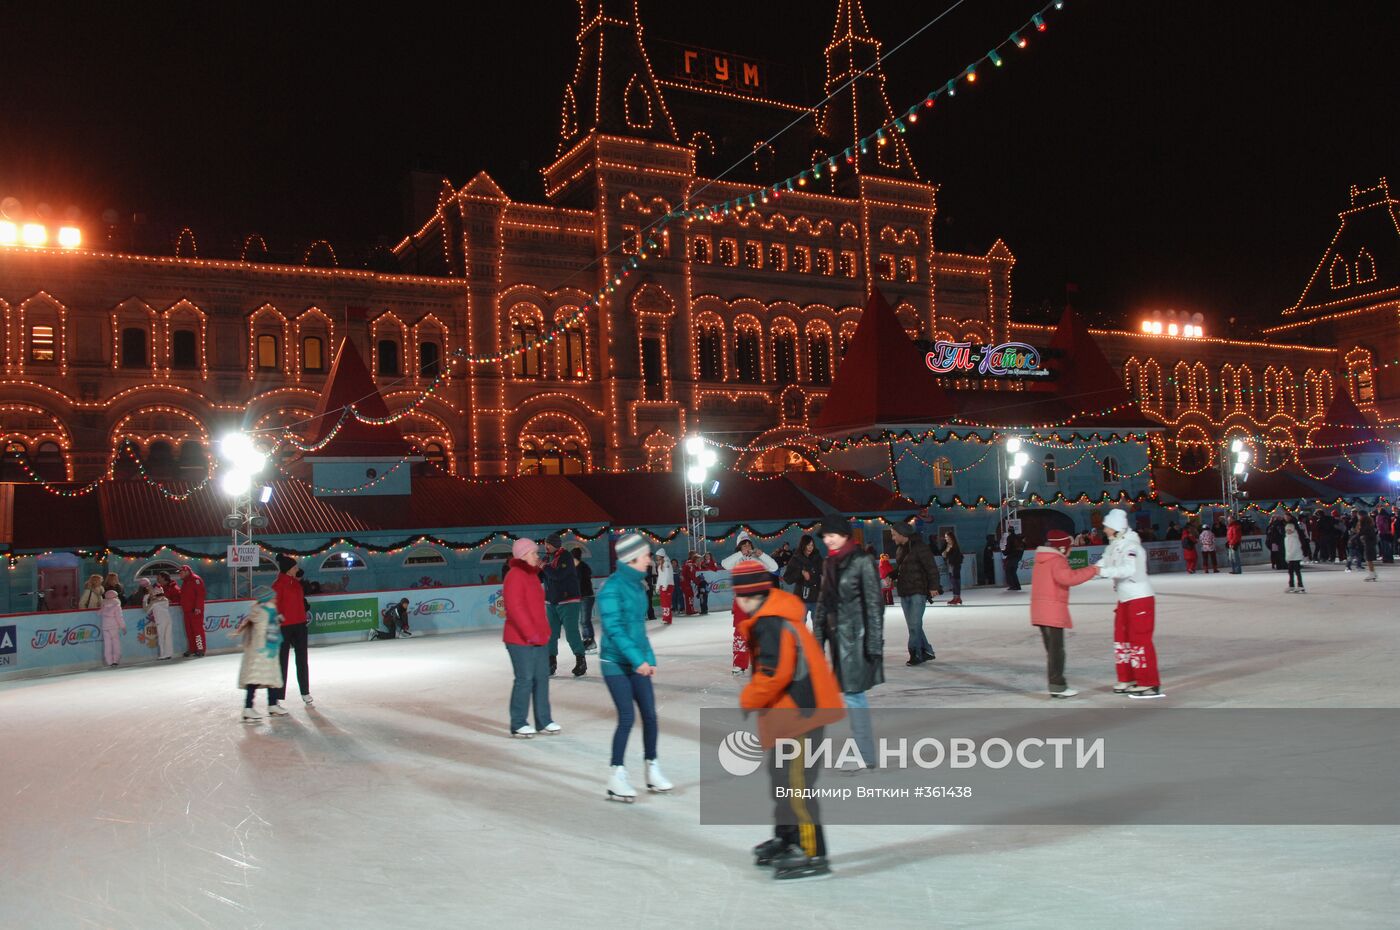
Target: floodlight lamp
(1237,445)
(694,445)
(266,494)
(1013,443)
(708,458)
(70,237)
(236,483)
(1014,472)
(1242,456)
(1394,476)
(234,446)
(1021,459)
(695,474)
(9,233)
(1239,468)
(34,235)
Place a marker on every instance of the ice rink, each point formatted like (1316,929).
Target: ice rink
(135,797)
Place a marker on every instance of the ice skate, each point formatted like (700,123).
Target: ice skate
(525,732)
(1291,591)
(796,864)
(1370,577)
(277,710)
(736,670)
(656,781)
(551,729)
(1121,687)
(308,699)
(766,852)
(553,664)
(1067,693)
(1302,590)
(915,658)
(619,788)
(250,715)
(956,601)
(1144,693)
(580,666)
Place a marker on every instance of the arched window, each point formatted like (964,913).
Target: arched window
(1359,376)
(194,462)
(134,347)
(748,356)
(777,256)
(1339,275)
(267,352)
(792,407)
(819,355)
(419,556)
(388,357)
(700,249)
(42,343)
(711,351)
(1151,392)
(160,461)
(908,269)
(728,252)
(785,356)
(1365,267)
(48,462)
(525,330)
(184,349)
(551,459)
(343,562)
(848,332)
(1110,470)
(429,359)
(1193,450)
(652,374)
(943,472)
(570,360)
(313,354)
(1049,464)
(435,455)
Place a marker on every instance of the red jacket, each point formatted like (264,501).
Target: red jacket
(291,600)
(1233,534)
(688,577)
(192,596)
(1051,579)
(523,592)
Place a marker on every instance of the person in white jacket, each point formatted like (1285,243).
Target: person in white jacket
(1293,555)
(745,551)
(1125,561)
(158,609)
(665,580)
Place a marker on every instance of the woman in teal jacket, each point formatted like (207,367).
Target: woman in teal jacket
(629,663)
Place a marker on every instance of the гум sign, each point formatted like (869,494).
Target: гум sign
(1010,359)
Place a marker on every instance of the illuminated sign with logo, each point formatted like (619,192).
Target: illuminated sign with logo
(718,69)
(1008,360)
(9,645)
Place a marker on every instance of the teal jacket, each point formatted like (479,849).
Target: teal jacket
(622,608)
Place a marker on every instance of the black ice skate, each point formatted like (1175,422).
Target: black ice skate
(580,666)
(767,851)
(796,864)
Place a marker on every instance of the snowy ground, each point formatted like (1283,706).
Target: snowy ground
(136,799)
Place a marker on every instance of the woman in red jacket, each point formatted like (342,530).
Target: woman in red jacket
(526,636)
(1051,579)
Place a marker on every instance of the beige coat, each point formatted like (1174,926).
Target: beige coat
(262,639)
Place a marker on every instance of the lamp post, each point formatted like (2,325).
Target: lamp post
(1234,471)
(241,462)
(699,459)
(1013,461)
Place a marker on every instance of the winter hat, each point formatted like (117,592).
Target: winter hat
(284,561)
(742,537)
(522,547)
(904,528)
(554,539)
(629,546)
(145,582)
(111,595)
(262,594)
(835,523)
(1290,528)
(1117,519)
(750,578)
(1058,539)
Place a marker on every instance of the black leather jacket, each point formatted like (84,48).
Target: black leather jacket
(852,621)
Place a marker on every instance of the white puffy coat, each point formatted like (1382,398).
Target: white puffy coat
(1292,544)
(665,575)
(1125,561)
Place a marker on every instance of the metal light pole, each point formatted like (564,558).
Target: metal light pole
(241,463)
(1012,461)
(1234,471)
(699,459)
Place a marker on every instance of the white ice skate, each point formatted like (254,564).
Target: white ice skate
(656,781)
(736,670)
(308,699)
(619,788)
(525,732)
(1067,693)
(551,729)
(250,715)
(277,710)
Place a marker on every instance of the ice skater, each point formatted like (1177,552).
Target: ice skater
(852,616)
(745,551)
(158,609)
(585,601)
(796,694)
(916,582)
(562,597)
(262,644)
(629,664)
(292,616)
(665,585)
(1125,561)
(1293,555)
(527,634)
(1051,579)
(113,625)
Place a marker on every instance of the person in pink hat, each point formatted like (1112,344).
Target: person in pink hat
(526,636)
(1051,579)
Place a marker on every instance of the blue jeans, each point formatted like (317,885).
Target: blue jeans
(531,665)
(913,607)
(858,706)
(626,690)
(585,617)
(1235,568)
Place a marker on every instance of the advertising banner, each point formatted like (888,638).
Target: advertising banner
(344,615)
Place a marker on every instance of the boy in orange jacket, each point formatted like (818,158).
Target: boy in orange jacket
(1051,579)
(796,695)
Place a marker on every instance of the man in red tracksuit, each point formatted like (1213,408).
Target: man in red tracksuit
(192,609)
(688,569)
(291,606)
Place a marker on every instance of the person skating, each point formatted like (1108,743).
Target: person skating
(1012,549)
(192,611)
(292,617)
(1366,532)
(585,601)
(1234,534)
(262,644)
(1206,543)
(804,572)
(1125,561)
(395,618)
(886,568)
(629,664)
(1188,549)
(527,635)
(157,607)
(665,584)
(795,694)
(916,583)
(688,569)
(853,624)
(953,558)
(1051,579)
(113,626)
(745,551)
(702,591)
(561,603)
(1293,555)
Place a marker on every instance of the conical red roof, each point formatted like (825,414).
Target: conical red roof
(350,383)
(883,380)
(1344,428)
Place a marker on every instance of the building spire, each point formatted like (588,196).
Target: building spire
(613,89)
(860,109)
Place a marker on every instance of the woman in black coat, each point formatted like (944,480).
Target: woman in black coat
(852,622)
(804,573)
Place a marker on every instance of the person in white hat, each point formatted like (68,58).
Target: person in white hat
(744,551)
(1125,561)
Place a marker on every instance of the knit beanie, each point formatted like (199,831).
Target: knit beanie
(554,539)
(835,523)
(284,561)
(1117,519)
(750,578)
(522,547)
(904,528)
(1058,539)
(629,546)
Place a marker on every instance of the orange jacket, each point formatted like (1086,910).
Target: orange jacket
(793,688)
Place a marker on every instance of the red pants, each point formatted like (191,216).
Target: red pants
(665,594)
(194,629)
(889,595)
(1190,560)
(1135,658)
(689,595)
(741,645)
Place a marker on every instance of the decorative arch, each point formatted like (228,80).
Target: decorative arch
(313,323)
(637,104)
(388,334)
(43,335)
(749,364)
(710,361)
(787,368)
(660,451)
(36,432)
(172,322)
(1184,395)
(1360,374)
(554,443)
(909,321)
(1319,391)
(1194,450)
(792,406)
(1280,449)
(1151,389)
(1365,267)
(1201,379)
(1339,274)
(525,338)
(819,352)
(430,331)
(573,357)
(320,254)
(135,314)
(267,320)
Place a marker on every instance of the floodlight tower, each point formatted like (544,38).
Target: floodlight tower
(699,459)
(241,462)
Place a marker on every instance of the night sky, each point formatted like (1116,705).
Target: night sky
(1180,154)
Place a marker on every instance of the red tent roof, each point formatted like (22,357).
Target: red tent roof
(883,379)
(350,383)
(1344,429)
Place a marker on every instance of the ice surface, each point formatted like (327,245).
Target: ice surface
(134,797)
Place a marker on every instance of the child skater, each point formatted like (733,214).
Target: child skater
(158,609)
(1051,579)
(262,643)
(113,625)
